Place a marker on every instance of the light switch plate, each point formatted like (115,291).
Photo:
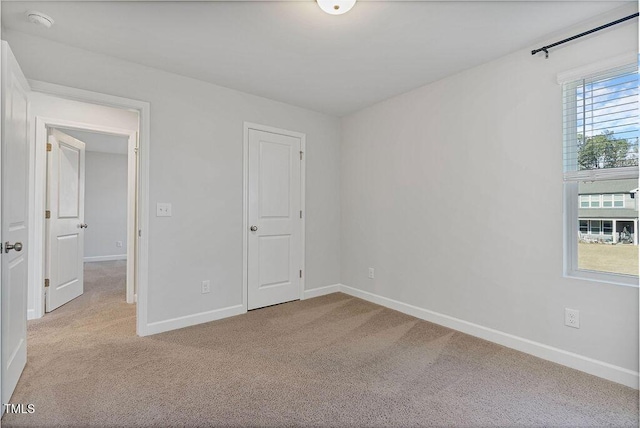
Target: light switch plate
(163,209)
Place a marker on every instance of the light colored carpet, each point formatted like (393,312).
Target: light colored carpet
(329,361)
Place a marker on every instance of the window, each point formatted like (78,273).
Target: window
(584,226)
(600,174)
(602,201)
(618,201)
(584,201)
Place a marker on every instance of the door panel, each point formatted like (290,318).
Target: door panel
(68,195)
(14,219)
(274,248)
(65,236)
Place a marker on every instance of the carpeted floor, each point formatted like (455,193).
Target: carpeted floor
(329,361)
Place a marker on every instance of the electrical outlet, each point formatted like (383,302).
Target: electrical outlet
(372,273)
(572,317)
(118,244)
(163,209)
(206,287)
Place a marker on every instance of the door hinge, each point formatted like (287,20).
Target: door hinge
(135,150)
(300,213)
(300,154)
(140,233)
(46,282)
(47,214)
(48,147)
(301,273)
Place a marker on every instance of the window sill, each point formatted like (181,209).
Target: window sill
(607,278)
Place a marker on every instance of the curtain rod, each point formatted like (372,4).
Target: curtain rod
(545,49)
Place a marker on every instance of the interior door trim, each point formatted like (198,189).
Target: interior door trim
(245,202)
(142,188)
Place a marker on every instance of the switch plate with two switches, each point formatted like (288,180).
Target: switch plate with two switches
(163,209)
(572,318)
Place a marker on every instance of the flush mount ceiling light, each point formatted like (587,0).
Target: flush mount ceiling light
(336,7)
(39,18)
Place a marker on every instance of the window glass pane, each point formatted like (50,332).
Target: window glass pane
(603,247)
(584,201)
(595,202)
(618,201)
(600,121)
(607,201)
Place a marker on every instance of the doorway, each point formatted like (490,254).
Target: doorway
(90,215)
(274,170)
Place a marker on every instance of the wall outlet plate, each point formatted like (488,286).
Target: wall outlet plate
(118,244)
(372,273)
(572,318)
(163,209)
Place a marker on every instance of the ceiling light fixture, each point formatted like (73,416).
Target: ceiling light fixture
(39,18)
(336,7)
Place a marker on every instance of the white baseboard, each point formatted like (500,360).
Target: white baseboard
(189,320)
(321,291)
(105,258)
(31,314)
(575,361)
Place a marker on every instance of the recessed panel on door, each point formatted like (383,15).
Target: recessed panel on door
(275,180)
(275,260)
(69,168)
(68,247)
(17,274)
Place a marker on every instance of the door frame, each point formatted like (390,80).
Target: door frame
(43,124)
(245,203)
(141,242)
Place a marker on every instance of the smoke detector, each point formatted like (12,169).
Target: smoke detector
(39,18)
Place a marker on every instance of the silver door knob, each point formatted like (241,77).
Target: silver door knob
(84,226)
(254,228)
(17,246)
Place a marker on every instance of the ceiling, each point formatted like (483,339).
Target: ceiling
(295,53)
(102,143)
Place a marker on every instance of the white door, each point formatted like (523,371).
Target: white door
(14,215)
(65,226)
(274,256)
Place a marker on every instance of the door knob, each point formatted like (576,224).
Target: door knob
(17,246)
(254,228)
(83,226)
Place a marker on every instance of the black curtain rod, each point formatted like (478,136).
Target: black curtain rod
(545,49)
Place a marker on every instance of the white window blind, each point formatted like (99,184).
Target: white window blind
(601,125)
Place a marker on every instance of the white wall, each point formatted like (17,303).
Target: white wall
(196,164)
(46,106)
(105,206)
(453,192)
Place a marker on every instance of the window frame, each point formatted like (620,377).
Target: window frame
(571,199)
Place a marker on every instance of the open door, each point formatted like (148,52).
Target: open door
(14,214)
(65,223)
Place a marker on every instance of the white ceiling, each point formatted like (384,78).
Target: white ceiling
(295,53)
(102,143)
